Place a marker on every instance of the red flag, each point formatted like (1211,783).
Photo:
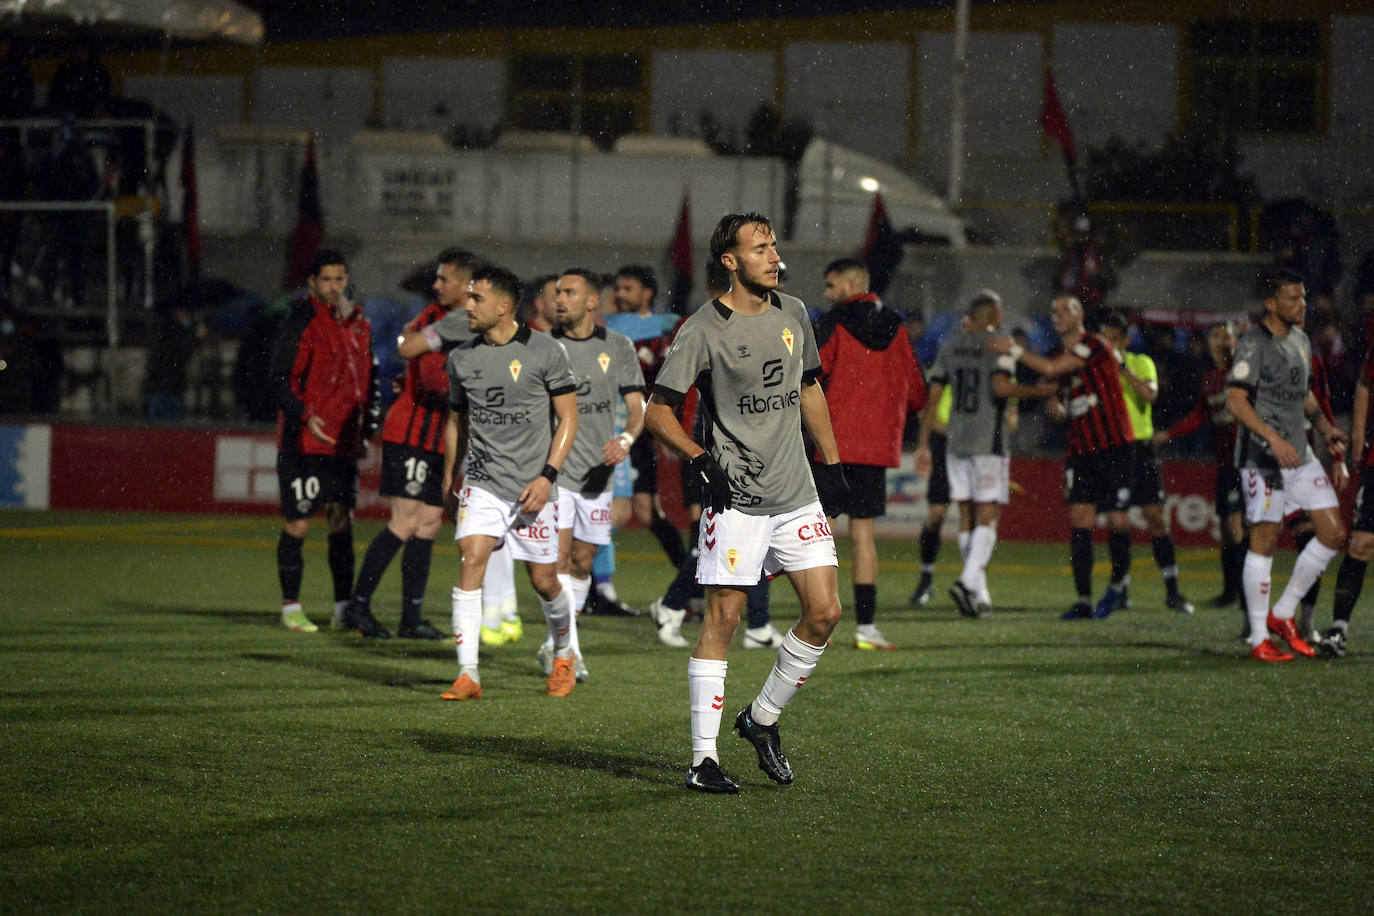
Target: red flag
(680,256)
(1053,119)
(309,231)
(190,204)
(882,249)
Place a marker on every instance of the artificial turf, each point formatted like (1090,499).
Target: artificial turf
(168,747)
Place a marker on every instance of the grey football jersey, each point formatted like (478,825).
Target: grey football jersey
(605,368)
(749,371)
(1275,373)
(453,329)
(966,366)
(505,392)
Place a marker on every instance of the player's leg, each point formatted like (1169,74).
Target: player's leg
(405,519)
(1264,506)
(1310,485)
(1115,469)
(415,561)
(1166,558)
(670,611)
(339,490)
(1350,578)
(1230,508)
(759,632)
(868,500)
(981,542)
(475,549)
(1303,532)
(929,546)
(556,604)
(644,459)
(299,488)
(706,685)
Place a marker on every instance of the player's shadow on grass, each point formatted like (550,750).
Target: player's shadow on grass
(253,616)
(657,769)
(380,675)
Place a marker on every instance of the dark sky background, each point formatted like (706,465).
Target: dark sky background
(298,19)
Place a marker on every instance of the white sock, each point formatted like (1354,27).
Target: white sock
(980,544)
(1311,563)
(510,611)
(558,616)
(577,592)
(962,539)
(706,696)
(498,585)
(1255,580)
(467,622)
(796,660)
(607,590)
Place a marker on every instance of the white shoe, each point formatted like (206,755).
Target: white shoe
(340,613)
(545,656)
(869,637)
(669,623)
(579,669)
(765,637)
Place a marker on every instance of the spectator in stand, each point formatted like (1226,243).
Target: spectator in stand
(1084,270)
(175,335)
(1211,411)
(80,88)
(871,380)
(1139,384)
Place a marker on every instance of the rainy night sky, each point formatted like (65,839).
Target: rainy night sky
(298,19)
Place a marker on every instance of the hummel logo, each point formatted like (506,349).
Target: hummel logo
(476,373)
(742,350)
(800,682)
(717,702)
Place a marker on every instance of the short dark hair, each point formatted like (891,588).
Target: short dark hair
(1228,325)
(1114,319)
(840,265)
(726,235)
(323,258)
(717,277)
(460,258)
(1273,278)
(538,283)
(592,277)
(981,298)
(501,280)
(641,272)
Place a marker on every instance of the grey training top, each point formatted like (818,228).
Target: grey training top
(452,329)
(749,371)
(506,393)
(606,369)
(966,366)
(1275,373)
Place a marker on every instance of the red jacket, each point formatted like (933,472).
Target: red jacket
(324,367)
(418,415)
(871,379)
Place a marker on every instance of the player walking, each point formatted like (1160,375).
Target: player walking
(753,359)
(503,387)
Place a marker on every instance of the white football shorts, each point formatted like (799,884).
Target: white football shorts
(1304,487)
(589,517)
(736,549)
(534,539)
(979,478)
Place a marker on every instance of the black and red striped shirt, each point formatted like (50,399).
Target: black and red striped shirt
(1098,419)
(417,417)
(1211,408)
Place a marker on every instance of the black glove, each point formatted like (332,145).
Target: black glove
(832,488)
(715,486)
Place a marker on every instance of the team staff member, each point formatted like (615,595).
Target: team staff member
(1100,465)
(936,417)
(1140,386)
(606,370)
(329,404)
(505,385)
(752,356)
(413,468)
(1269,394)
(871,380)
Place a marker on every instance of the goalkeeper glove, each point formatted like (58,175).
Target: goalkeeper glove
(831,488)
(715,486)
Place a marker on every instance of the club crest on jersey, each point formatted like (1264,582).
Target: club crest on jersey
(515,370)
(787,339)
(604,361)
(732,558)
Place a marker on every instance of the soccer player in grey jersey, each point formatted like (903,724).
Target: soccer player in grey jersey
(606,370)
(978,463)
(503,386)
(1269,395)
(754,362)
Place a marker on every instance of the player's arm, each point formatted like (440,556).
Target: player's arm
(415,343)
(618,448)
(1049,366)
(815,416)
(660,420)
(924,463)
(1358,419)
(1005,387)
(1145,389)
(455,446)
(1336,440)
(1238,402)
(536,492)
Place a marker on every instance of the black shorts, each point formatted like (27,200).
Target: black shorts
(867,490)
(644,459)
(410,472)
(1229,498)
(937,488)
(1147,487)
(1102,479)
(309,482)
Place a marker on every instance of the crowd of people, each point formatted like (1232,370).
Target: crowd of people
(535,423)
